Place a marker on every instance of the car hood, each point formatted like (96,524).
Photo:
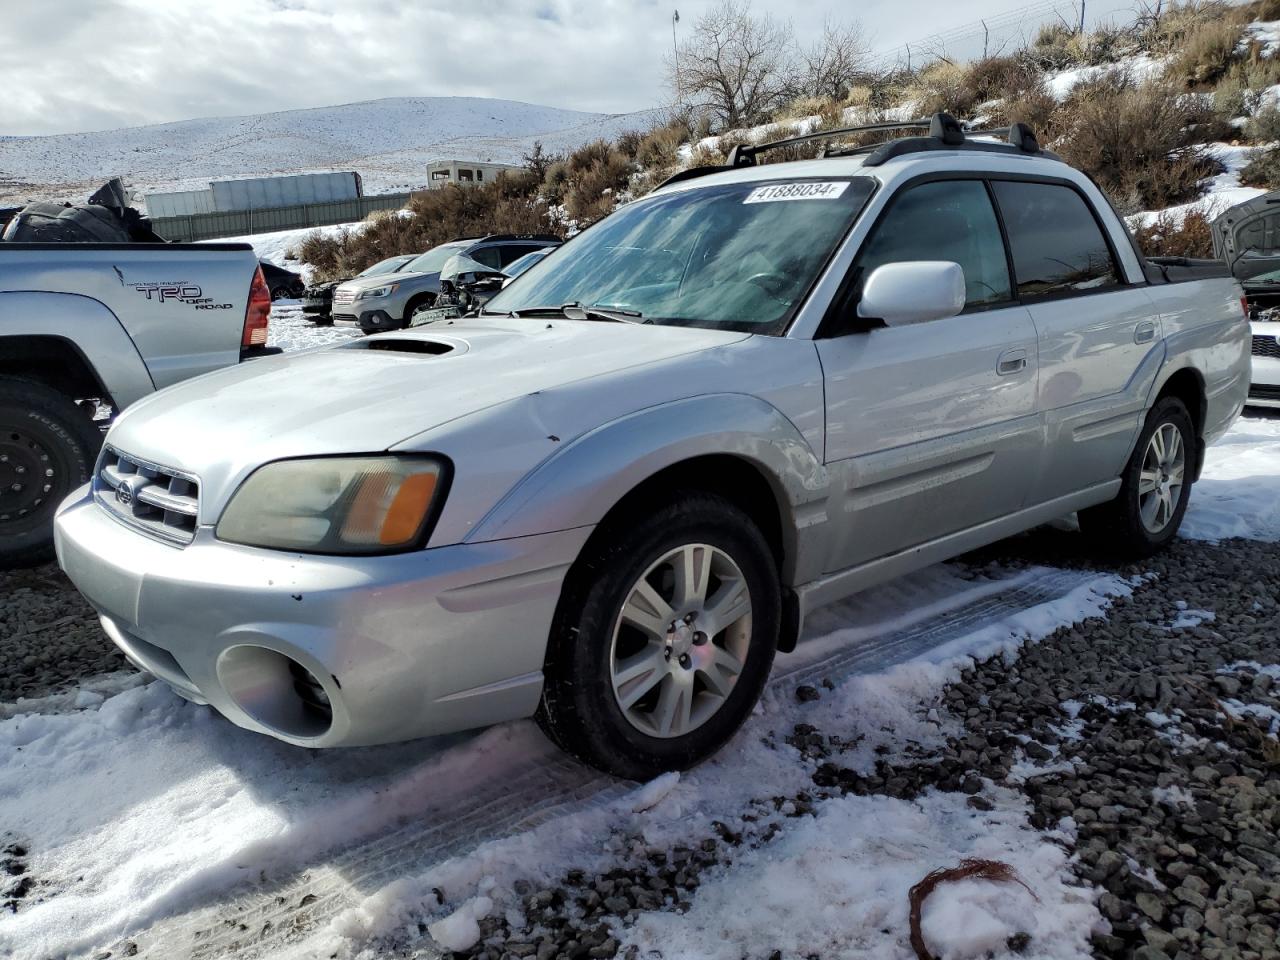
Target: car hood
(382,280)
(370,394)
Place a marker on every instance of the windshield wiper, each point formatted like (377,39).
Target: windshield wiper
(577,311)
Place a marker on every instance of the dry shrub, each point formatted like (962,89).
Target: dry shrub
(1206,53)
(1262,10)
(1263,169)
(506,204)
(997,78)
(1168,236)
(1264,127)
(592,177)
(943,86)
(1035,106)
(1055,47)
(859,95)
(1136,140)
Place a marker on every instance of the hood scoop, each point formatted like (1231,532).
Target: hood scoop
(434,348)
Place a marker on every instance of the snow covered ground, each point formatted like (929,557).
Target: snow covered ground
(149,818)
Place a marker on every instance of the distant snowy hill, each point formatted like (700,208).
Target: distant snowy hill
(387,141)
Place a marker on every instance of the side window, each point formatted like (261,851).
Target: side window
(489,256)
(464,176)
(945,220)
(1058,247)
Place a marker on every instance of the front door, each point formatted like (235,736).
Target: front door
(932,428)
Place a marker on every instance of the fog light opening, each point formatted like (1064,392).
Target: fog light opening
(276,691)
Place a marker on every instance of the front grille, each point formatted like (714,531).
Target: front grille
(344,296)
(1263,391)
(158,500)
(1266,347)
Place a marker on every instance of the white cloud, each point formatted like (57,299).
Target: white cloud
(74,65)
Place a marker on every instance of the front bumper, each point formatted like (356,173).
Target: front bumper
(401,646)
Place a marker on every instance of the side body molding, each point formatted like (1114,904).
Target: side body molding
(88,326)
(578,484)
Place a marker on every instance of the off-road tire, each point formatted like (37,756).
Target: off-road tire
(1116,527)
(40,430)
(579,711)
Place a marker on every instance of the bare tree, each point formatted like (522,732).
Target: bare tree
(735,65)
(835,61)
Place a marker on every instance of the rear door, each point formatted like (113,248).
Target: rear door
(1099,336)
(931,428)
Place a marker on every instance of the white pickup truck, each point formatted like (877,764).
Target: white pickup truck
(87,327)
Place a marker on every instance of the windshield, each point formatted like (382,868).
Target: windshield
(390,265)
(738,256)
(435,258)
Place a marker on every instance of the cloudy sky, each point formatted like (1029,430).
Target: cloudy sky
(75,65)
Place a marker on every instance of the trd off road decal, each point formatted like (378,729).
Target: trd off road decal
(774,192)
(181,291)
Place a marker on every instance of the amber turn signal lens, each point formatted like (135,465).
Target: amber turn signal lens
(404,516)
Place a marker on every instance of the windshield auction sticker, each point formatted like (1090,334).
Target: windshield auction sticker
(823,190)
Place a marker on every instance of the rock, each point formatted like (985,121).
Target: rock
(1151,905)
(806,693)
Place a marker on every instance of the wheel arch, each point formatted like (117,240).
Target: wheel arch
(733,445)
(1187,384)
(54,361)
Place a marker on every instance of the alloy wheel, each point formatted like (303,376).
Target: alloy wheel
(680,641)
(1163,474)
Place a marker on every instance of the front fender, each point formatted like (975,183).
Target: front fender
(87,325)
(581,482)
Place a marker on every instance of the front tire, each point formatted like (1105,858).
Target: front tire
(663,638)
(1155,489)
(47,449)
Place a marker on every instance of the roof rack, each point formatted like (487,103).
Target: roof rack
(508,236)
(945,132)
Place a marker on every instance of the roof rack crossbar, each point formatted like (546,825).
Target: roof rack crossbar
(744,154)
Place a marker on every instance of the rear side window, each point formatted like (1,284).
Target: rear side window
(944,220)
(509,254)
(1058,247)
(489,256)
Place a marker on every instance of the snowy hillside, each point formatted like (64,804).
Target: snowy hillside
(387,141)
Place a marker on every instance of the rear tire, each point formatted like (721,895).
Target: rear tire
(1155,489)
(47,449)
(686,691)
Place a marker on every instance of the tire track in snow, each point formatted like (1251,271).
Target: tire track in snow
(894,623)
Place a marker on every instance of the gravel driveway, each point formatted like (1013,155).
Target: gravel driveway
(1145,740)
(49,637)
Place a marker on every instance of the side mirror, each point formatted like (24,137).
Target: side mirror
(913,291)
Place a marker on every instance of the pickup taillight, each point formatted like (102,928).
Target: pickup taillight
(258,313)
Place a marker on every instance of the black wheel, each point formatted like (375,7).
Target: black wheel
(47,449)
(321,319)
(1156,486)
(663,638)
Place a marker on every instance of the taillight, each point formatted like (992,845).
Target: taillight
(258,313)
(1244,305)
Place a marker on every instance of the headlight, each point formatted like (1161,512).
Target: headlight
(338,505)
(386,291)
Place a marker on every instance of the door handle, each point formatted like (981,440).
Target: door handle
(1011,361)
(1144,332)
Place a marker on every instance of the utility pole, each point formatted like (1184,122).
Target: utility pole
(1082,18)
(986,35)
(675,55)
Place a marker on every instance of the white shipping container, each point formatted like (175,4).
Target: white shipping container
(179,203)
(264,193)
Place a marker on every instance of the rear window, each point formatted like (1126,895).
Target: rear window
(1058,247)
